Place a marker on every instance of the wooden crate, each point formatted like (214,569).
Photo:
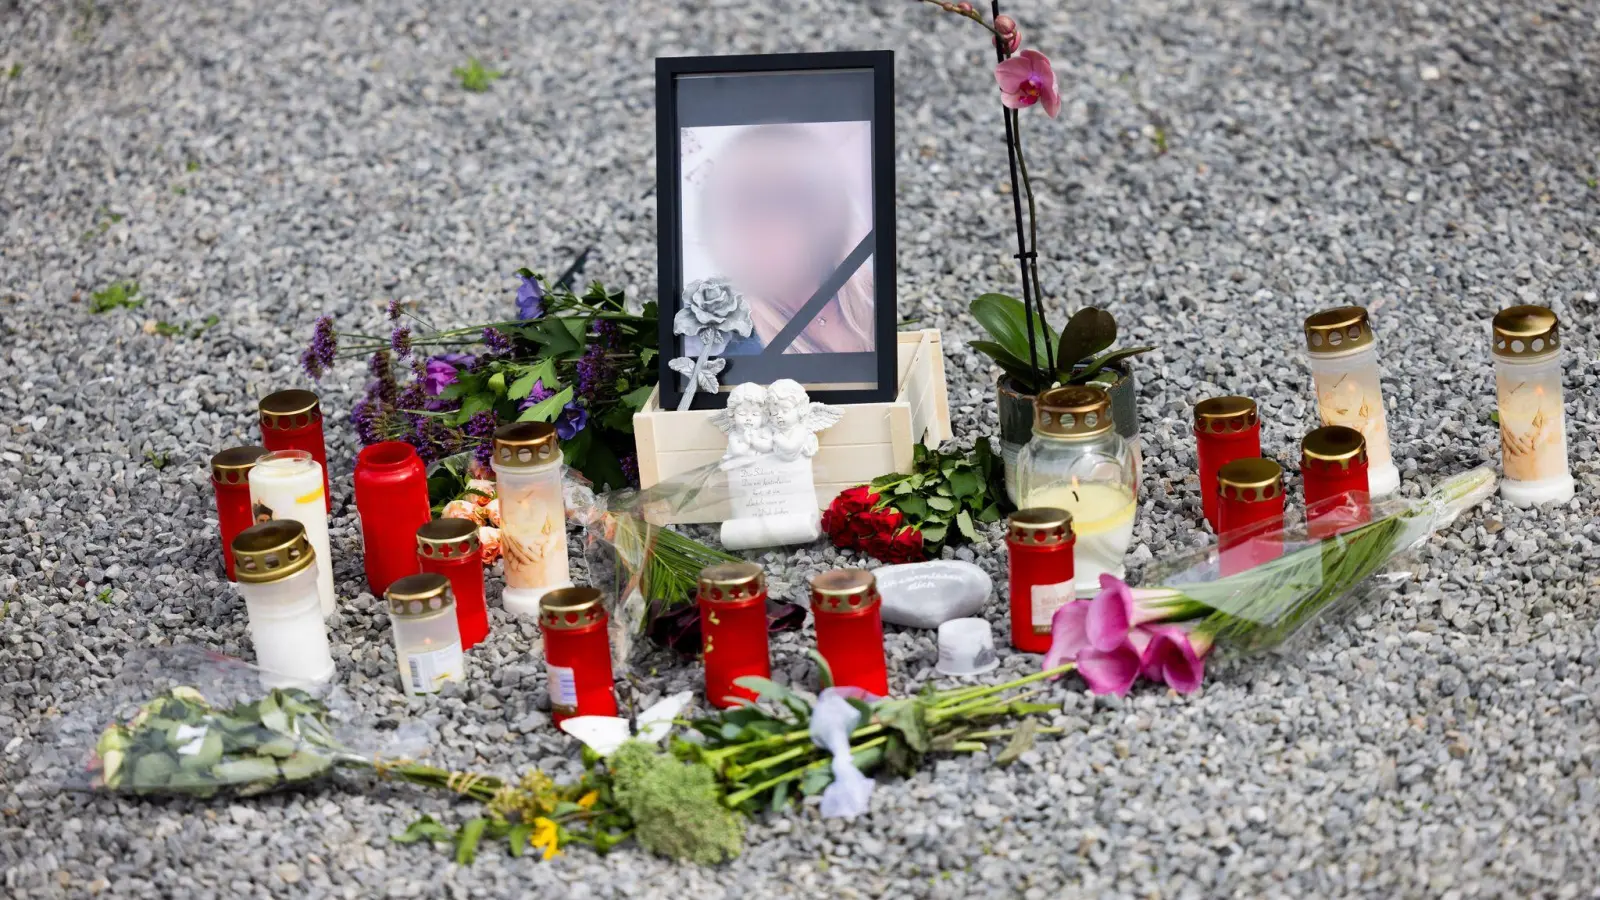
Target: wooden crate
(872,439)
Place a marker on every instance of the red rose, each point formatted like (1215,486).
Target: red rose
(876,523)
(856,500)
(836,525)
(904,547)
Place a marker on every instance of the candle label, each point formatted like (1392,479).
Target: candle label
(563,689)
(1533,439)
(432,668)
(1047,598)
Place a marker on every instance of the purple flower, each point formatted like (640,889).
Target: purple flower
(481,428)
(572,420)
(459,360)
(439,375)
(594,370)
(539,394)
(394,310)
(630,471)
(383,385)
(400,340)
(496,342)
(530,298)
(318,358)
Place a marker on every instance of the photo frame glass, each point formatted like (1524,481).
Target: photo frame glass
(775,185)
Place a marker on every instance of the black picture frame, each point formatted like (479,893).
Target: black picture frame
(768,367)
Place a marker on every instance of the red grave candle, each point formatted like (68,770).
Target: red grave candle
(450,547)
(577,653)
(1250,505)
(392,500)
(733,629)
(1225,429)
(1333,466)
(1040,544)
(230,477)
(292,420)
(849,617)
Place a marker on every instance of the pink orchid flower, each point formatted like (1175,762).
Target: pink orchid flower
(1026,79)
(1176,655)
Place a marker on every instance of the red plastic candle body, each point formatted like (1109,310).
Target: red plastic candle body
(577,653)
(1225,429)
(292,420)
(1333,464)
(1040,544)
(450,547)
(1250,505)
(733,629)
(230,476)
(849,617)
(392,500)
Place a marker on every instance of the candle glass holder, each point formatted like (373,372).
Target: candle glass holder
(533,530)
(292,420)
(1225,429)
(287,484)
(1077,462)
(277,574)
(450,547)
(849,617)
(1344,368)
(391,487)
(1533,431)
(577,653)
(230,479)
(1250,495)
(733,629)
(1039,544)
(427,642)
(1333,464)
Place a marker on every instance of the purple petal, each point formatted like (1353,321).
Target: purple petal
(1110,614)
(1172,657)
(1068,634)
(1110,671)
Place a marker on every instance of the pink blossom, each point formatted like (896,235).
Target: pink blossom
(1114,671)
(1175,655)
(1068,634)
(461,509)
(491,512)
(1008,36)
(483,490)
(489,540)
(1026,79)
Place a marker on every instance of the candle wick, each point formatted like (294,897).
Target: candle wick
(1075,498)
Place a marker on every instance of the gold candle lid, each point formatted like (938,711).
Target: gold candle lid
(1334,444)
(1250,480)
(289,409)
(1338,330)
(271,551)
(1040,526)
(447,538)
(526,444)
(1521,332)
(843,591)
(568,609)
(419,595)
(726,582)
(1225,415)
(233,465)
(1072,411)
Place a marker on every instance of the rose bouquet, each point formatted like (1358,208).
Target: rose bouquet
(907,517)
(1164,632)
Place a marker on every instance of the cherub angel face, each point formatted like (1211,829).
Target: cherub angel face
(748,415)
(784,411)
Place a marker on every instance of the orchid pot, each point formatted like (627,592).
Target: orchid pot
(1016,416)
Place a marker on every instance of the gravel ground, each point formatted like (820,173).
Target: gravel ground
(1219,170)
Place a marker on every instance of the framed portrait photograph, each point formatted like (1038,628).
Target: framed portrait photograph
(775,191)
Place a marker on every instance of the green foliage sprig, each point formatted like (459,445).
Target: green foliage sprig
(946,495)
(117,295)
(474,76)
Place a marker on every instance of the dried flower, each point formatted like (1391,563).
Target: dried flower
(497,342)
(318,358)
(1026,79)
(400,340)
(594,371)
(530,298)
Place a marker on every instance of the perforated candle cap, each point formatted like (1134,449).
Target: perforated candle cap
(567,609)
(284,410)
(1225,415)
(727,582)
(843,591)
(1250,480)
(447,538)
(233,465)
(1335,331)
(1040,526)
(526,444)
(1334,444)
(1524,332)
(271,551)
(1076,410)
(415,596)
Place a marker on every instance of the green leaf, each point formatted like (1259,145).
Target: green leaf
(547,409)
(965,483)
(497,383)
(964,525)
(1090,330)
(153,770)
(913,506)
(518,838)
(765,688)
(934,534)
(816,781)
(780,796)
(1021,741)
(467,841)
(1006,321)
(636,398)
(1095,365)
(424,827)
(909,717)
(272,716)
(942,504)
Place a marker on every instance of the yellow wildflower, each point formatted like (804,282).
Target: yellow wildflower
(587,800)
(546,836)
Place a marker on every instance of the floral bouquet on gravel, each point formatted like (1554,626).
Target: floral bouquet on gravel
(908,517)
(1163,632)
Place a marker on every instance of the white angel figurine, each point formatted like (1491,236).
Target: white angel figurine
(795,420)
(744,421)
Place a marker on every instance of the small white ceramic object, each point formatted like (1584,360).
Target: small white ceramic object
(966,647)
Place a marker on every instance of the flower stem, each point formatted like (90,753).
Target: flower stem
(735,800)
(1033,239)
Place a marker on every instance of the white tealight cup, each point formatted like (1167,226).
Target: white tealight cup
(966,647)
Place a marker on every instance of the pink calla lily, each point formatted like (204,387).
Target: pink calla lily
(1175,655)
(1114,671)
(1110,614)
(1026,79)
(1068,634)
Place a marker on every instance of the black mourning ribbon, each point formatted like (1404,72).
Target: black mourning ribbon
(829,288)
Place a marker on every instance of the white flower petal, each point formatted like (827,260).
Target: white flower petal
(655,722)
(602,734)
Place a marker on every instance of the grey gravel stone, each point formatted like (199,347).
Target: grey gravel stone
(1218,171)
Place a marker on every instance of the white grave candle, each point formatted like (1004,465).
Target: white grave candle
(533,519)
(287,484)
(1533,432)
(276,569)
(1344,368)
(427,638)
